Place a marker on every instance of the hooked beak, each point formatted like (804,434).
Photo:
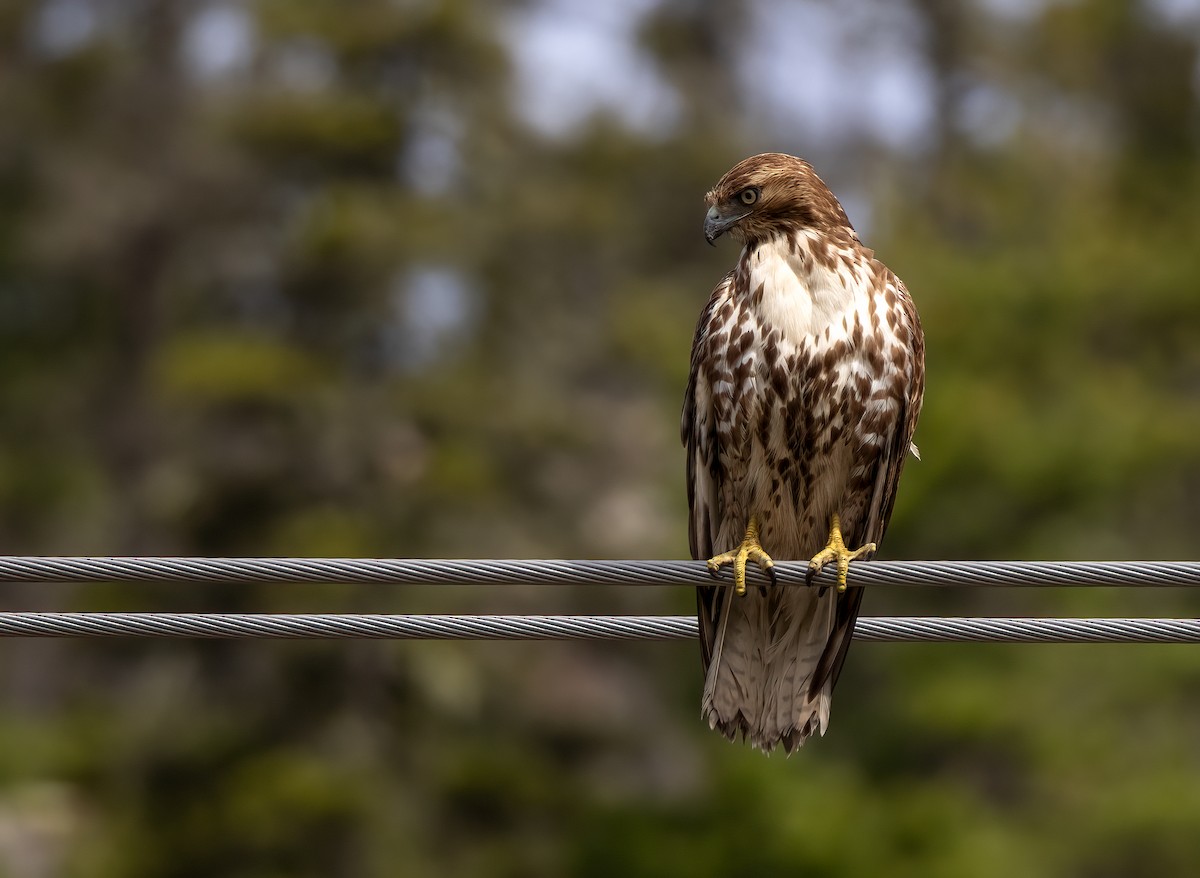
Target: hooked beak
(716,224)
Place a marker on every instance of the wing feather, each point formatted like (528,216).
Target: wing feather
(887,479)
(698,433)
(900,441)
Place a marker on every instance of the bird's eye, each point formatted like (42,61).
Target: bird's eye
(749,196)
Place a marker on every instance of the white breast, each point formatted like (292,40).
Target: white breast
(802,297)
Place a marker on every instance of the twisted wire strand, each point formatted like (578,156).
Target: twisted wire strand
(879,629)
(558,572)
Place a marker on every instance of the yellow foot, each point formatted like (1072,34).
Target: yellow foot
(749,550)
(835,550)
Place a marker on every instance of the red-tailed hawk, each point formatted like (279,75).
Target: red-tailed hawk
(806,381)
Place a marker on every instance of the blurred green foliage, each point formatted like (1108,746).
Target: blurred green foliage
(334,295)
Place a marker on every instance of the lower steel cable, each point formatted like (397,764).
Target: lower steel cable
(879,629)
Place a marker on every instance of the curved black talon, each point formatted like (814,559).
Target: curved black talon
(768,572)
(812,574)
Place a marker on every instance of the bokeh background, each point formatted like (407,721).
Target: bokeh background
(304,277)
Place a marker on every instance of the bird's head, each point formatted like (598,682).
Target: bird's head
(767,194)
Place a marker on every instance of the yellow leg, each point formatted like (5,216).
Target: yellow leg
(749,550)
(835,550)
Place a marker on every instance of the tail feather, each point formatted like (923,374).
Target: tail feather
(760,683)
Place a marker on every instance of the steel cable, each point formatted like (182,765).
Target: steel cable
(897,629)
(556,572)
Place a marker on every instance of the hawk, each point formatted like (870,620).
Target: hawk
(807,374)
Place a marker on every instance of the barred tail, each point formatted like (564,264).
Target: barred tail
(768,680)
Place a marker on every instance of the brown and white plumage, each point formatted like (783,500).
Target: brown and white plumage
(807,373)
